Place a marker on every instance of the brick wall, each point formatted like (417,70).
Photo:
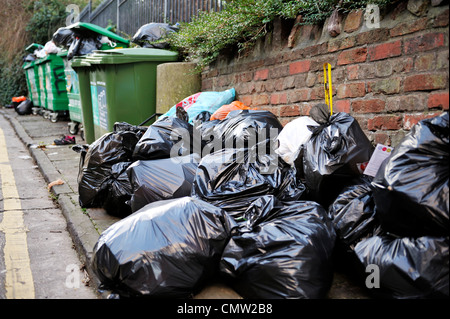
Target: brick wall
(388,78)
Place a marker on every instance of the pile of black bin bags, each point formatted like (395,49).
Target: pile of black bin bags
(215,199)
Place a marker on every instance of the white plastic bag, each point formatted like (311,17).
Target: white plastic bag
(51,48)
(293,136)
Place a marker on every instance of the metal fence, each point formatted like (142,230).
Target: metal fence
(129,15)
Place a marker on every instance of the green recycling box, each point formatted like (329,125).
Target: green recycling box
(123,85)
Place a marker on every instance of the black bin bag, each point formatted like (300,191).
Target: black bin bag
(353,217)
(168,137)
(95,175)
(411,186)
(332,156)
(283,251)
(166,249)
(407,267)
(154,180)
(152,32)
(119,191)
(25,107)
(242,129)
(231,178)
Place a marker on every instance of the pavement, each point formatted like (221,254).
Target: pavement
(60,164)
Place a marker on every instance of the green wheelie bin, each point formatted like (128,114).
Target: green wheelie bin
(82,70)
(51,71)
(123,85)
(32,82)
(89,30)
(32,77)
(73,94)
(80,106)
(40,67)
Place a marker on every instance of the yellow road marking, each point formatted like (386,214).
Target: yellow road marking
(18,279)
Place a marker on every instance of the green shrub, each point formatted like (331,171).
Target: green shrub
(12,80)
(242,22)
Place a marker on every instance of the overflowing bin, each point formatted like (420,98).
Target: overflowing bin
(122,85)
(79,95)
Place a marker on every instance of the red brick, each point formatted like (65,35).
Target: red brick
(351,56)
(261,75)
(381,138)
(262,99)
(352,72)
(351,90)
(243,77)
(317,93)
(441,20)
(353,21)
(341,106)
(424,82)
(299,67)
(290,110)
(246,99)
(409,27)
(385,86)
(425,42)
(368,106)
(412,119)
(384,122)
(372,36)
(425,62)
(298,95)
(278,98)
(385,50)
(278,71)
(341,44)
(440,100)
(274,110)
(406,103)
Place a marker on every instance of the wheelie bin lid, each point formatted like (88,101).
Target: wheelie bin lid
(34,46)
(130,55)
(49,57)
(63,53)
(97,29)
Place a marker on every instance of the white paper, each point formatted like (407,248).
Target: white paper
(379,155)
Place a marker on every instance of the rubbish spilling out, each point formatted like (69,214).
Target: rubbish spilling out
(214,188)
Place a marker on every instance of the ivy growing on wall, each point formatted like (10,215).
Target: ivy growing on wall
(242,22)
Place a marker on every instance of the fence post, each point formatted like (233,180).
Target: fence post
(90,10)
(118,15)
(165,11)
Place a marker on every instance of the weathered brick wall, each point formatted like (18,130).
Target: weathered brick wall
(388,78)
